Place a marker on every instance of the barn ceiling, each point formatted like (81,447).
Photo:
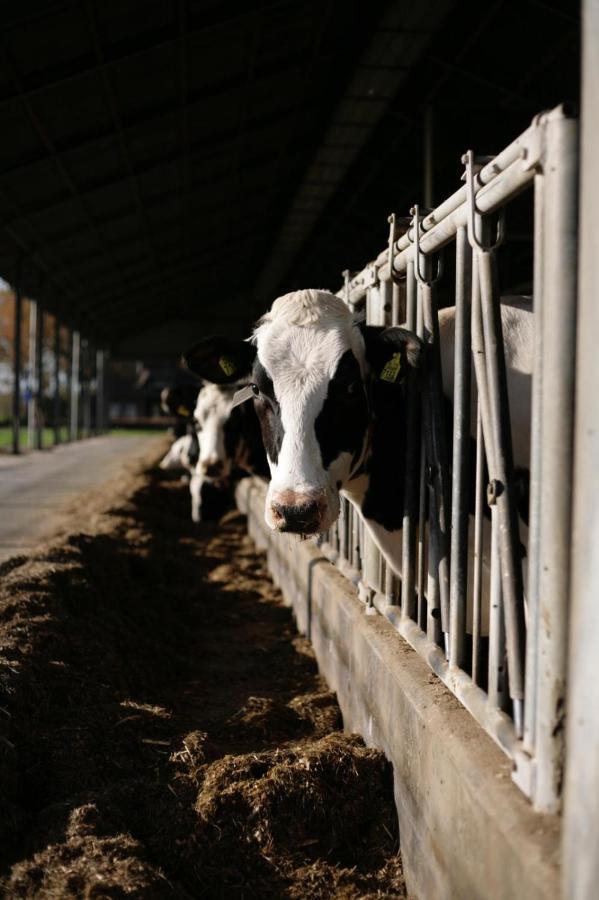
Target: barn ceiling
(167,165)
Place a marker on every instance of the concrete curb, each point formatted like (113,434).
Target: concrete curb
(466,830)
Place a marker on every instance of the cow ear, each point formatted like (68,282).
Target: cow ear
(392,352)
(220,360)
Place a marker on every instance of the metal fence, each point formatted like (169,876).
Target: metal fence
(492,628)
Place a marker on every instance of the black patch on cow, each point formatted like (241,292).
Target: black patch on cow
(384,498)
(194,447)
(268,412)
(343,420)
(243,441)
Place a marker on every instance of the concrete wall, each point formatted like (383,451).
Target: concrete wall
(466,831)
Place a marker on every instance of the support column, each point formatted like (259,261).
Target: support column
(75,385)
(16,393)
(99,391)
(56,382)
(39,384)
(581,800)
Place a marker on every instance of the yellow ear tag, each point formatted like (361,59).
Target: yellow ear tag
(391,368)
(227,365)
(182,411)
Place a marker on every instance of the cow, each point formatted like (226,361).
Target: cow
(182,454)
(224,444)
(330,395)
(179,401)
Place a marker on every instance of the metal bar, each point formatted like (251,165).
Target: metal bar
(534,511)
(410,513)
(506,175)
(56,382)
(460,454)
(495,722)
(477,574)
(16,392)
(502,475)
(31,381)
(100,426)
(580,824)
(496,673)
(39,385)
(560,172)
(75,385)
(437,460)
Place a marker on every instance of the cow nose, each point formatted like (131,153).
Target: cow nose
(298,519)
(212,467)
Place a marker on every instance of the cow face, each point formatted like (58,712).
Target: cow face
(311,367)
(211,417)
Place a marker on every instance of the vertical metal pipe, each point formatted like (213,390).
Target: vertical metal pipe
(16,394)
(75,386)
(31,382)
(461,440)
(496,677)
(39,386)
(560,170)
(56,382)
(477,574)
(100,391)
(536,439)
(502,477)
(69,374)
(580,827)
(410,513)
(437,456)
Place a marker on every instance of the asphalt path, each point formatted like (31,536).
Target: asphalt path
(36,486)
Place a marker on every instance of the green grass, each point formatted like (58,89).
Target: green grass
(48,436)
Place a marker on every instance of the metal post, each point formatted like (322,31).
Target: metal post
(16,395)
(581,800)
(39,385)
(461,440)
(560,168)
(56,382)
(410,513)
(75,386)
(31,381)
(99,391)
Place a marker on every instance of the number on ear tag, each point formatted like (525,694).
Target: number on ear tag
(391,368)
(227,365)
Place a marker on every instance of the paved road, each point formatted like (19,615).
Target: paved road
(35,486)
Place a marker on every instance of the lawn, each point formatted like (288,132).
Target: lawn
(48,436)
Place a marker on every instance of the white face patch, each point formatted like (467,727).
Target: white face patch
(300,347)
(211,413)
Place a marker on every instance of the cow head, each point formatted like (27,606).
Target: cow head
(312,368)
(211,418)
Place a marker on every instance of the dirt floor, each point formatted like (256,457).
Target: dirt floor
(163,728)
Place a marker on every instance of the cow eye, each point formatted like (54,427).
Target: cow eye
(255,389)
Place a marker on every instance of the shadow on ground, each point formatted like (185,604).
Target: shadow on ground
(164,731)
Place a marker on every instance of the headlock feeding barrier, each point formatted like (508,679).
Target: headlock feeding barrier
(483,591)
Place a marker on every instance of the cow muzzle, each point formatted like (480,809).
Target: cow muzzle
(298,513)
(212,468)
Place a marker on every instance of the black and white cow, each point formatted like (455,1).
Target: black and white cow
(330,395)
(179,401)
(229,446)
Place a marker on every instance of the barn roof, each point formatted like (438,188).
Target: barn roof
(169,164)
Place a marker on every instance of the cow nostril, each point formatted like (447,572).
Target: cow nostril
(301,519)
